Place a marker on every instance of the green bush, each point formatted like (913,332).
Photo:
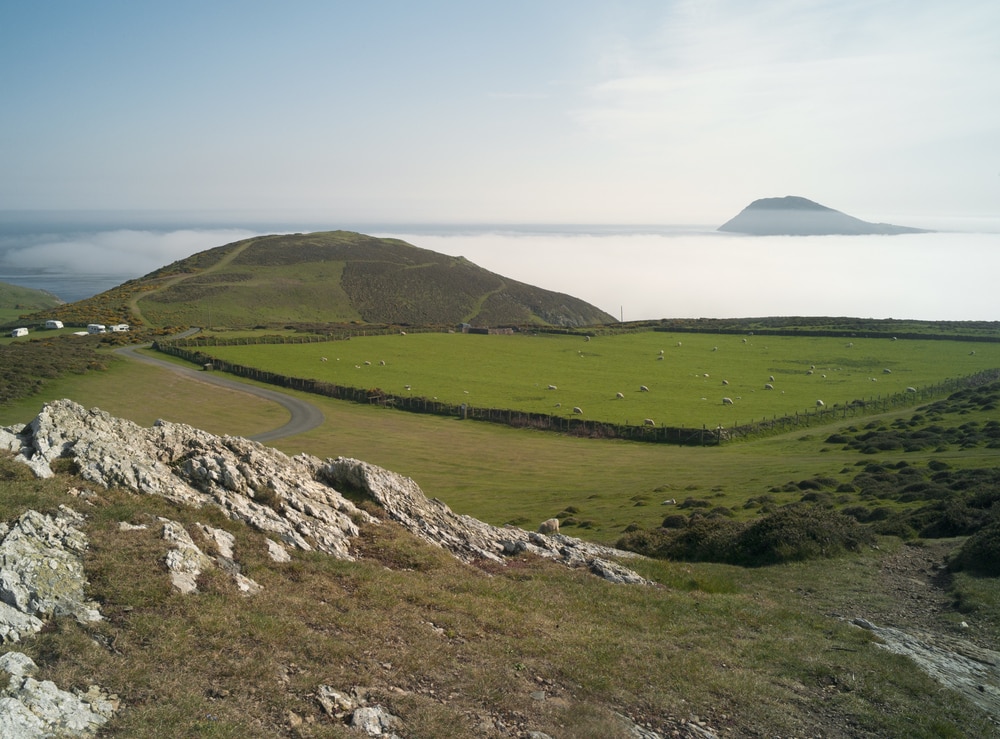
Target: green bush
(981,552)
(798,532)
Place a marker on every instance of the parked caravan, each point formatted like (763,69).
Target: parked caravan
(118,328)
(18,332)
(96,328)
(53,324)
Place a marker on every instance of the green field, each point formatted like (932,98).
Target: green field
(686,386)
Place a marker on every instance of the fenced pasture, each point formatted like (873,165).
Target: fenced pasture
(687,376)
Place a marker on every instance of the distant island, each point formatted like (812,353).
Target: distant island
(796,216)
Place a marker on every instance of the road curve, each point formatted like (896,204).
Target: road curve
(305,415)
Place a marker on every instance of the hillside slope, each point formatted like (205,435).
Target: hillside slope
(16,300)
(330,277)
(796,216)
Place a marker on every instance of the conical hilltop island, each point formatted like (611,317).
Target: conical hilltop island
(797,216)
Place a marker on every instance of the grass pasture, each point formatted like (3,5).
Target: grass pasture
(686,386)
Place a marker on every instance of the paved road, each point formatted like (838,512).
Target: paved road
(305,415)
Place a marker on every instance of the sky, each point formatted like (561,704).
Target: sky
(525,111)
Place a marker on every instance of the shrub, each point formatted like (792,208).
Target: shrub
(798,532)
(981,552)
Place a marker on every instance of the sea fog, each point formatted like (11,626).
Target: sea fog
(632,272)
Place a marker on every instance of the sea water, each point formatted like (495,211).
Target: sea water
(633,272)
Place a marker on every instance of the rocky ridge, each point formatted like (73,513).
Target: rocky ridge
(296,501)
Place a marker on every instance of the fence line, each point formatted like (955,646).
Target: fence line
(677,435)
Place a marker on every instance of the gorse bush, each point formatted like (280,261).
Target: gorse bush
(791,533)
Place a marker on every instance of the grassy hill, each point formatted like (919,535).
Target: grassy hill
(328,277)
(16,301)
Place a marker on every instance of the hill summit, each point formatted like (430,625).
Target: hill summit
(797,216)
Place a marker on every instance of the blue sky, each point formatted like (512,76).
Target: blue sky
(549,111)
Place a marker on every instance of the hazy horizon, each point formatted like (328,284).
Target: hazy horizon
(634,272)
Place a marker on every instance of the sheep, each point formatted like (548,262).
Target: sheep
(643,389)
(381,363)
(725,382)
(768,386)
(407,387)
(661,352)
(972,353)
(887,371)
(577,410)
(402,333)
(549,526)
(809,372)
(771,378)
(659,359)
(820,404)
(619,396)
(727,401)
(649,422)
(678,343)
(715,348)
(850,344)
(911,390)
(553,387)
(669,501)
(322,359)
(367,363)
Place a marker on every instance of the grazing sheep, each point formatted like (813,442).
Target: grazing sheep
(402,333)
(850,345)
(678,343)
(715,348)
(768,386)
(558,405)
(381,363)
(771,378)
(887,371)
(322,359)
(406,387)
(972,353)
(586,338)
(367,363)
(649,422)
(705,375)
(809,372)
(725,382)
(577,410)
(659,359)
(549,526)
(553,387)
(820,404)
(744,341)
(643,389)
(619,396)
(727,401)
(911,390)
(669,501)
(661,352)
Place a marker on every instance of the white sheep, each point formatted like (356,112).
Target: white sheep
(771,378)
(549,526)
(887,371)
(577,410)
(669,501)
(727,401)
(643,389)
(367,363)
(768,386)
(381,363)
(820,404)
(619,396)
(911,390)
(649,422)
(725,382)
(322,359)
(553,387)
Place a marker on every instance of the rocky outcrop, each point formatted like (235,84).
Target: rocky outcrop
(296,501)
(41,573)
(33,709)
(796,216)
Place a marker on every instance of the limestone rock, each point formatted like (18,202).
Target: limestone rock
(295,500)
(30,708)
(41,572)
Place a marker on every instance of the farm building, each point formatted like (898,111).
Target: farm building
(53,324)
(96,328)
(17,332)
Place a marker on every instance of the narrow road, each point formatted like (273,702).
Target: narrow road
(305,415)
